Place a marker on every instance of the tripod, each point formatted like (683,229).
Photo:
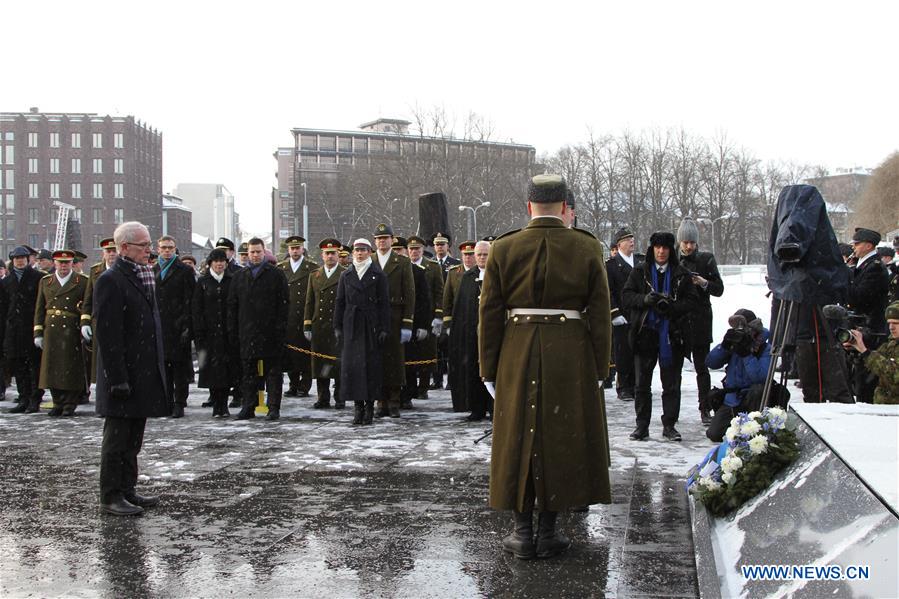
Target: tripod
(783,344)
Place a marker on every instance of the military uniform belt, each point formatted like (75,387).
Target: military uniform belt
(530,313)
(62,313)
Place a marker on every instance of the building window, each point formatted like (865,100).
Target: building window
(98,166)
(76,166)
(10,204)
(10,154)
(98,216)
(33,166)
(10,136)
(76,140)
(308,142)
(10,179)
(119,191)
(345,144)
(32,140)
(98,191)
(33,216)
(76,214)
(327,143)
(33,191)
(54,140)
(10,231)
(118,166)
(97,140)
(32,239)
(76,191)
(54,191)
(118,140)
(54,217)
(54,166)
(118,216)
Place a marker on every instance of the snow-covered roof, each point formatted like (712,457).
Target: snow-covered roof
(200,240)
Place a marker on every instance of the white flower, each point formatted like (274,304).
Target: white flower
(732,433)
(776,412)
(758,444)
(731,463)
(735,421)
(710,484)
(753,415)
(750,428)
(727,477)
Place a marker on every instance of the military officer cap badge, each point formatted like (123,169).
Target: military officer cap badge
(383,230)
(64,255)
(467,247)
(399,242)
(416,242)
(329,244)
(225,243)
(294,241)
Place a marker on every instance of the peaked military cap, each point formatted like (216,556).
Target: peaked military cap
(383,230)
(294,241)
(63,255)
(547,189)
(45,254)
(20,251)
(490,238)
(344,250)
(31,250)
(80,256)
(892,312)
(243,248)
(416,242)
(225,243)
(467,247)
(329,244)
(108,243)
(399,242)
(440,238)
(868,235)
(622,233)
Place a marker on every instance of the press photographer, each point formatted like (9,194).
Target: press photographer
(745,353)
(883,362)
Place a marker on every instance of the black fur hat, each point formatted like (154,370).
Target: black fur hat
(547,189)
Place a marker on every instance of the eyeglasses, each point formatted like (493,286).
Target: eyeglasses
(166,247)
(144,245)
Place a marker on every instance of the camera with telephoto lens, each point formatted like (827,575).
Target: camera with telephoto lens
(738,338)
(844,321)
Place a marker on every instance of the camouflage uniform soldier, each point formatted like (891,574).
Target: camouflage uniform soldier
(57,332)
(883,362)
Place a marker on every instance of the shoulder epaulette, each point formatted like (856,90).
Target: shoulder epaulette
(507,234)
(454,267)
(584,231)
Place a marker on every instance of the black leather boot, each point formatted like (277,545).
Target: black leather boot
(550,542)
(369,412)
(223,408)
(19,409)
(521,542)
(324,394)
(358,411)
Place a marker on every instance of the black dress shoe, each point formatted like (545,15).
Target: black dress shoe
(68,411)
(406,405)
(382,412)
(302,394)
(339,405)
(625,396)
(706,417)
(55,411)
(273,414)
(19,409)
(246,413)
(121,507)
(207,404)
(178,411)
(291,392)
(641,433)
(474,417)
(321,405)
(670,433)
(142,500)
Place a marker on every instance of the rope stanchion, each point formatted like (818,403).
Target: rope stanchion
(334,358)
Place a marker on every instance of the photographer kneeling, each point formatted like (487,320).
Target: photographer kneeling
(882,362)
(746,353)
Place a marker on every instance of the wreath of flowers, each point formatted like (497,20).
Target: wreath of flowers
(757,446)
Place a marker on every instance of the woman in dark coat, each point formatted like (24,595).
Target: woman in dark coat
(361,321)
(219,361)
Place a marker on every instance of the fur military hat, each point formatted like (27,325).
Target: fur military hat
(862,234)
(547,189)
(662,239)
(688,231)
(886,251)
(892,312)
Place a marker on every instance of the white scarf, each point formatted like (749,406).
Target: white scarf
(330,271)
(629,258)
(217,277)
(295,264)
(65,279)
(383,258)
(362,267)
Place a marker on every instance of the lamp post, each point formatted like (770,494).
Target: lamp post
(305,213)
(474,216)
(711,223)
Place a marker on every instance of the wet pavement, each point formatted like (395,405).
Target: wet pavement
(311,506)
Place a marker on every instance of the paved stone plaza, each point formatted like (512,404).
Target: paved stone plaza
(312,506)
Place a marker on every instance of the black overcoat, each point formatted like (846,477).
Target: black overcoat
(174,294)
(699,322)
(868,290)
(219,361)
(422,317)
(128,339)
(618,271)
(257,312)
(361,314)
(21,297)
(465,325)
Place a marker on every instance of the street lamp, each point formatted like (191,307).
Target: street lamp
(711,223)
(305,213)
(474,215)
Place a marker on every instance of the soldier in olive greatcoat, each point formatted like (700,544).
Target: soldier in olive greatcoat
(297,269)
(57,332)
(318,324)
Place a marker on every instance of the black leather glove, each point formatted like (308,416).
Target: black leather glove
(651,299)
(120,392)
(338,335)
(382,337)
(185,337)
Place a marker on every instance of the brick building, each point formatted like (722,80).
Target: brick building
(177,221)
(109,168)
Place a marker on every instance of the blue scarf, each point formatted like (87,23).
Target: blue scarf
(657,321)
(164,266)
(255,270)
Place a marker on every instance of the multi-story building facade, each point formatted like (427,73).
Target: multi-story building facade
(351,180)
(212,205)
(177,222)
(108,168)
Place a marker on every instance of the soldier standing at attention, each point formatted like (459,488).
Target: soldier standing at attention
(57,332)
(318,324)
(297,270)
(414,351)
(107,246)
(454,381)
(445,262)
(546,362)
(343,256)
(434,275)
(401,288)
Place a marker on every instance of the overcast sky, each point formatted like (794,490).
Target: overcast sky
(811,82)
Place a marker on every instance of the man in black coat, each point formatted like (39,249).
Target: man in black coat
(175,284)
(868,291)
(619,268)
(361,322)
(421,322)
(465,323)
(658,296)
(257,323)
(445,261)
(704,275)
(130,367)
(18,295)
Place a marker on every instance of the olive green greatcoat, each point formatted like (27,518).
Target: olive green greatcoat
(401,289)
(57,318)
(318,319)
(549,420)
(87,305)
(297,284)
